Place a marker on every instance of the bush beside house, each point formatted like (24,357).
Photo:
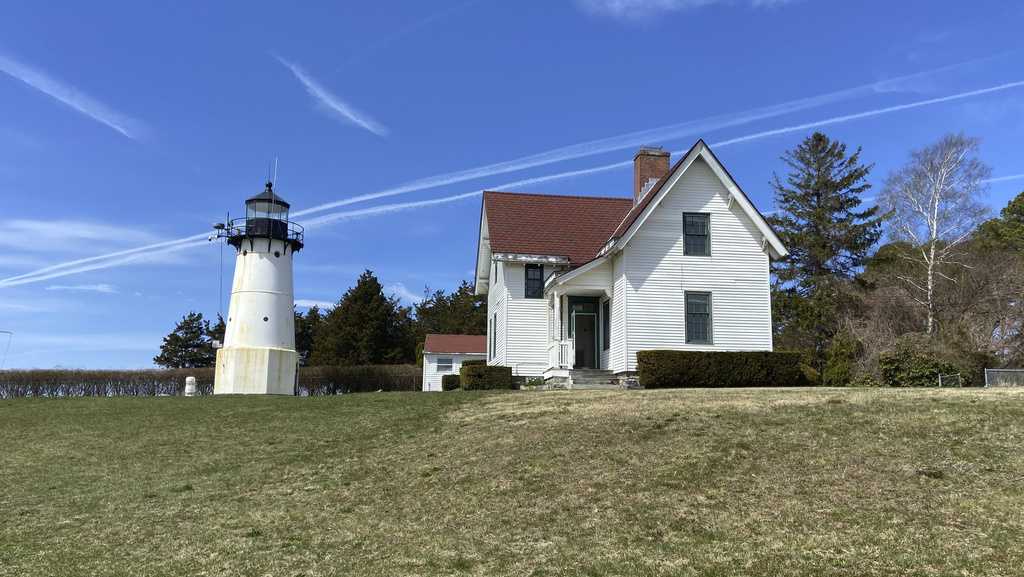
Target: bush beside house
(450,382)
(478,377)
(707,369)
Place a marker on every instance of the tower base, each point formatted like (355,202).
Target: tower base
(255,371)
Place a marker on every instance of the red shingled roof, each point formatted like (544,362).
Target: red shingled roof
(544,224)
(456,344)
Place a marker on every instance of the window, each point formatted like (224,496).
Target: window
(696,234)
(606,325)
(444,364)
(698,318)
(534,281)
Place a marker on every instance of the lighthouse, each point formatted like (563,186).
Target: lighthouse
(258,356)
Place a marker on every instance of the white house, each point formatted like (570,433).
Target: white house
(444,355)
(576,285)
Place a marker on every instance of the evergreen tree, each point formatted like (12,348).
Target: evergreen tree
(828,236)
(1007,231)
(460,312)
(365,328)
(217,330)
(188,346)
(306,328)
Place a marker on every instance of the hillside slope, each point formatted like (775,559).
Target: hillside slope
(724,482)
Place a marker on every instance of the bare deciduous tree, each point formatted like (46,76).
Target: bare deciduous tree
(935,205)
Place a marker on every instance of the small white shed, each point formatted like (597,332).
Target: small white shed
(444,355)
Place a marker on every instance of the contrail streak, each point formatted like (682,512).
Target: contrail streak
(71,97)
(331,102)
(136,255)
(869,113)
(1004,178)
(616,165)
(634,139)
(91,259)
(70,267)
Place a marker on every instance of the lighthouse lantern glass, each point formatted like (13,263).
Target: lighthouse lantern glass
(265,209)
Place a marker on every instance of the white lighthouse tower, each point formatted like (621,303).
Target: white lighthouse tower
(258,356)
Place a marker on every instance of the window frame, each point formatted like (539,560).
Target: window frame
(686,316)
(527,280)
(707,235)
(450,364)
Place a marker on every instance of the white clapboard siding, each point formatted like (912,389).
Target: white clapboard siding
(618,325)
(497,300)
(432,376)
(527,328)
(656,273)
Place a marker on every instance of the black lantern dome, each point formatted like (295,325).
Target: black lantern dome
(266,216)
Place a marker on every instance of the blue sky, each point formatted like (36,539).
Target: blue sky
(125,124)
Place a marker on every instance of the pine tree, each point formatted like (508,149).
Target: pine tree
(828,237)
(461,312)
(188,346)
(365,328)
(306,328)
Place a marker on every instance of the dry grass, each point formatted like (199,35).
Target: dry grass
(694,482)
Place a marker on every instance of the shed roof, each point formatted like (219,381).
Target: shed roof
(452,344)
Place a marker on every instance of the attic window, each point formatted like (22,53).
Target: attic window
(697,234)
(534,281)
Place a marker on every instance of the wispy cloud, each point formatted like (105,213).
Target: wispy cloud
(644,9)
(399,290)
(96,288)
(72,97)
(332,103)
(310,303)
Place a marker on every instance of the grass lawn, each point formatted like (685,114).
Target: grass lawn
(690,482)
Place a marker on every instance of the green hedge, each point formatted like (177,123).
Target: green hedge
(474,362)
(484,377)
(313,381)
(676,369)
(450,382)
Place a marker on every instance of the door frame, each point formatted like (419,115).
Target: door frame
(597,330)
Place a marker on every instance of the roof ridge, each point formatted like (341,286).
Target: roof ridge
(541,194)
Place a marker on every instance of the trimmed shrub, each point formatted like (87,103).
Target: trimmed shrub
(450,382)
(484,377)
(474,362)
(714,369)
(312,381)
(315,381)
(914,363)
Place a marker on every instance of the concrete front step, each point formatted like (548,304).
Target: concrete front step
(593,379)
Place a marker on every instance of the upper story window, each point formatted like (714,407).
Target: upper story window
(696,234)
(444,364)
(698,318)
(534,281)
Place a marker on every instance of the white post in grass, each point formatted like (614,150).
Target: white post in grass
(190,386)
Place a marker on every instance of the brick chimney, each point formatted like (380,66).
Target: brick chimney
(649,165)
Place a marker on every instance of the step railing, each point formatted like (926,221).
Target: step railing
(561,354)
